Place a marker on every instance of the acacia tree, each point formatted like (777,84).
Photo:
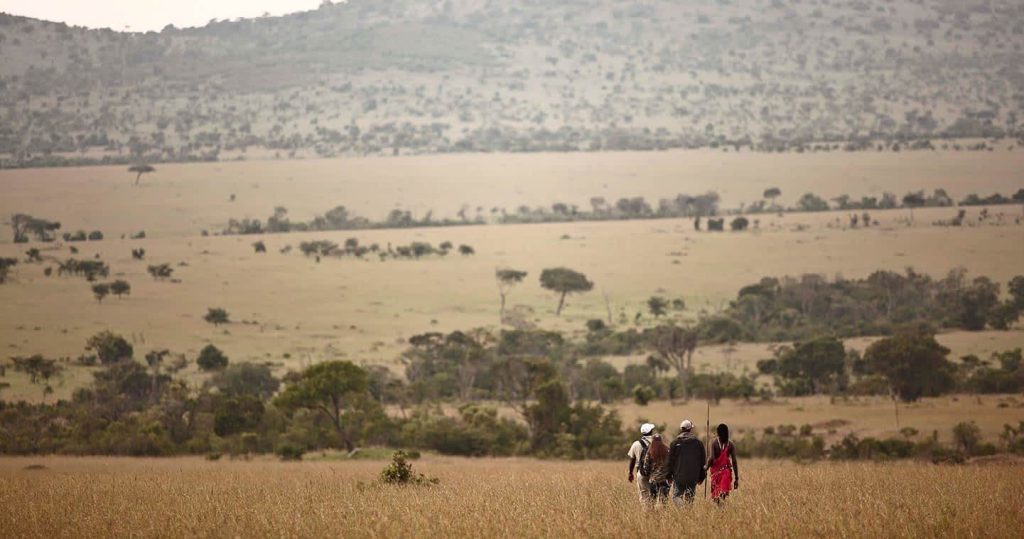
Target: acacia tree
(459,357)
(333,388)
(39,370)
(564,281)
(141,169)
(23,224)
(507,279)
(772,193)
(5,267)
(160,271)
(216,316)
(109,347)
(100,290)
(811,367)
(674,346)
(120,288)
(519,377)
(913,200)
(657,305)
(913,362)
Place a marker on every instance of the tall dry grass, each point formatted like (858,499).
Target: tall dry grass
(93,497)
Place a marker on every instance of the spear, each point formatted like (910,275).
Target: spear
(707,436)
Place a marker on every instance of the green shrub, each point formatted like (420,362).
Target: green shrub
(400,472)
(643,394)
(288,451)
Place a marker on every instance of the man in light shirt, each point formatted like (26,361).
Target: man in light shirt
(636,457)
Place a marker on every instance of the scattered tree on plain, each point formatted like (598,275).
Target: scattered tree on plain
(216,316)
(139,170)
(507,279)
(120,288)
(22,225)
(109,347)
(160,272)
(39,369)
(100,290)
(657,306)
(564,281)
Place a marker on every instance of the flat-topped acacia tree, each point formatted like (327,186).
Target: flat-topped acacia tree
(564,281)
(139,170)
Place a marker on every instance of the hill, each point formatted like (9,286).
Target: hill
(418,76)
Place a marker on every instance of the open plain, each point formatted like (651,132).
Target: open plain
(292,311)
(89,497)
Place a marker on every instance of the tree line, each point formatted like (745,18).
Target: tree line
(145,407)
(811,305)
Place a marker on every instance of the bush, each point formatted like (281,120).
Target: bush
(110,348)
(211,358)
(967,436)
(643,394)
(853,448)
(216,316)
(288,451)
(400,472)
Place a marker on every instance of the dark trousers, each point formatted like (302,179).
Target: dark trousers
(683,493)
(659,491)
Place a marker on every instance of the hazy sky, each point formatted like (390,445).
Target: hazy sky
(142,15)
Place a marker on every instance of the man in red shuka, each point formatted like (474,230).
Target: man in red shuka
(725,472)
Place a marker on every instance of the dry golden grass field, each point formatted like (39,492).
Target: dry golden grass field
(288,309)
(120,497)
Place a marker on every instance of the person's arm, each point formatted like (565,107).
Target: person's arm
(632,453)
(735,467)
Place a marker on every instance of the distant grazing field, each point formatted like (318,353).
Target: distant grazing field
(89,497)
(289,309)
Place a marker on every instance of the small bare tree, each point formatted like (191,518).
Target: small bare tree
(507,279)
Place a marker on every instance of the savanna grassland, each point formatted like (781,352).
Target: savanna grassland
(288,309)
(89,497)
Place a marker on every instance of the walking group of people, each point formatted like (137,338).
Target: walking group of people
(660,470)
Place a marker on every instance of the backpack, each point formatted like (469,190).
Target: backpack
(643,466)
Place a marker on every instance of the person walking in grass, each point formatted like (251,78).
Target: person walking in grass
(636,455)
(725,472)
(655,467)
(686,469)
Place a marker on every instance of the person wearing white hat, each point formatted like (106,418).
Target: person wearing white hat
(636,454)
(686,458)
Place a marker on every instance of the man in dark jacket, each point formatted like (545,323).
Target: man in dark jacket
(686,459)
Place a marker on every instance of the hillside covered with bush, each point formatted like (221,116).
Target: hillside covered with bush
(416,76)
